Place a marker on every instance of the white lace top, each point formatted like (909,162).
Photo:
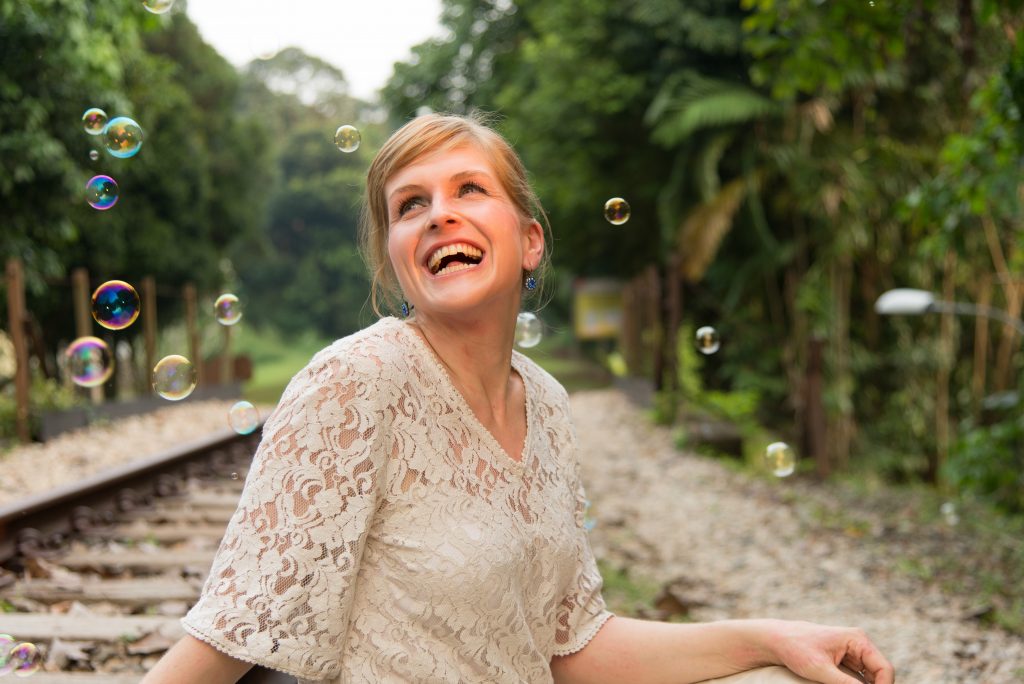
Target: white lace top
(385,536)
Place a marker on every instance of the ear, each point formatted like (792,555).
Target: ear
(533,245)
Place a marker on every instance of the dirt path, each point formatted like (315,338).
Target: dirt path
(743,551)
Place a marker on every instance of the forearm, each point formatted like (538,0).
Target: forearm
(647,652)
(191,660)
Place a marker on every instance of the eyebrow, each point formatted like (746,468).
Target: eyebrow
(456,177)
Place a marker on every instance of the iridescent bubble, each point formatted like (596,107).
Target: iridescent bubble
(25,659)
(227,309)
(89,361)
(123,137)
(94,155)
(101,192)
(243,418)
(780,459)
(115,305)
(528,330)
(94,120)
(158,6)
(174,377)
(347,138)
(707,340)
(616,211)
(7,643)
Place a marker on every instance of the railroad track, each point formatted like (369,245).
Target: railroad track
(97,574)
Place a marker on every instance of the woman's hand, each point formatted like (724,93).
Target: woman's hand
(815,652)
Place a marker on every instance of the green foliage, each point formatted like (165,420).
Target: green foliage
(44,395)
(194,188)
(988,460)
(304,268)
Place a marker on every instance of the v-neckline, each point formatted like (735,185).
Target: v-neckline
(487,435)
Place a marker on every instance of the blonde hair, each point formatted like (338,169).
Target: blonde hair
(422,135)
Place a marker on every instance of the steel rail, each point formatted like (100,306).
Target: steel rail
(41,523)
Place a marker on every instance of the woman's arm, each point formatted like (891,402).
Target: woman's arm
(647,652)
(191,660)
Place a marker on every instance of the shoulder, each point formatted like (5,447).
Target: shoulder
(358,365)
(548,391)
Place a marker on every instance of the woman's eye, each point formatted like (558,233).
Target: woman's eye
(470,187)
(408,204)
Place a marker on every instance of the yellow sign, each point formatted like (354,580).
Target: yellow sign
(597,308)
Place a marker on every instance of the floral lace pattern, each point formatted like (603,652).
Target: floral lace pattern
(385,536)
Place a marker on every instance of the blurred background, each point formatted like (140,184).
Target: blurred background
(786,162)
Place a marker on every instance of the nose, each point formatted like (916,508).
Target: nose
(440,214)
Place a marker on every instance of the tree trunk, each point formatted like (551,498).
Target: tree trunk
(980,346)
(943,435)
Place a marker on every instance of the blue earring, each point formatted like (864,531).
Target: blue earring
(531,282)
(406,309)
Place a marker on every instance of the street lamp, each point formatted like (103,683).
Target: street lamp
(907,302)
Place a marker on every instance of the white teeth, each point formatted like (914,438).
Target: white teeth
(452,268)
(448,250)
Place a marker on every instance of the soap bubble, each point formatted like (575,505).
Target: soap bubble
(227,309)
(101,192)
(347,138)
(94,120)
(24,659)
(243,418)
(174,377)
(780,459)
(7,643)
(115,305)
(89,361)
(94,155)
(158,6)
(123,137)
(707,339)
(528,330)
(616,211)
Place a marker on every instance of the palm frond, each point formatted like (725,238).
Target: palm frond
(690,102)
(702,231)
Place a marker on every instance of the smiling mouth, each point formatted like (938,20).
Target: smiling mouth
(452,258)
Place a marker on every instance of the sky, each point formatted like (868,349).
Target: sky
(364,38)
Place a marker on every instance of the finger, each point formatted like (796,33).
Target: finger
(878,669)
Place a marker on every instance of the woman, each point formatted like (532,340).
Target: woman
(414,512)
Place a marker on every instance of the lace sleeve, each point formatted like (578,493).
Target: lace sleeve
(280,589)
(582,612)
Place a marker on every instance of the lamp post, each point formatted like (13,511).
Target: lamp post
(908,302)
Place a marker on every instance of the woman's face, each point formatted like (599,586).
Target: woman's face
(457,242)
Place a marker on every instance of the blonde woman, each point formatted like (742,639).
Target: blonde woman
(414,512)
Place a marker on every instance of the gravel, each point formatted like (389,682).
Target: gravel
(738,549)
(73,456)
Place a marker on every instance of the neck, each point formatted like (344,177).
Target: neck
(477,353)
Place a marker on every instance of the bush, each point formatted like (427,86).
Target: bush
(988,460)
(44,395)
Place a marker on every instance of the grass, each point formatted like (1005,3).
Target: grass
(623,594)
(275,360)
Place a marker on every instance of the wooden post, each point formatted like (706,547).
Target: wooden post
(815,425)
(16,318)
(81,296)
(148,314)
(226,366)
(195,354)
